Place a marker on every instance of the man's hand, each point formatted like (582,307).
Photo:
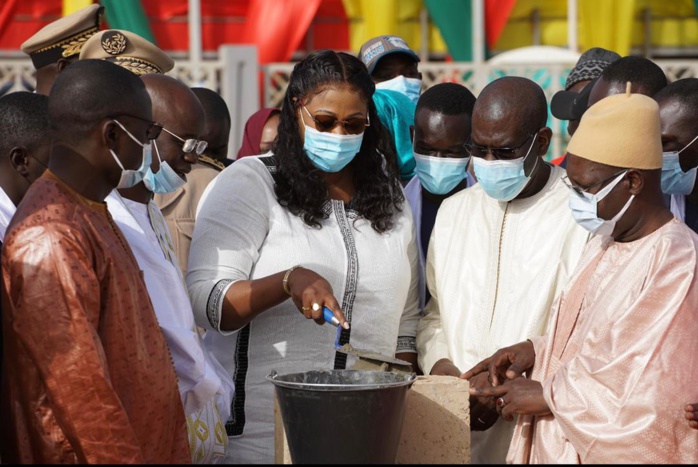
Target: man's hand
(483,412)
(692,415)
(520,396)
(445,367)
(507,363)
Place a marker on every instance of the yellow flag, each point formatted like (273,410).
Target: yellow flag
(71,6)
(371,18)
(607,24)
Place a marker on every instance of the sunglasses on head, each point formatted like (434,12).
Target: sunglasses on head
(353,126)
(191,144)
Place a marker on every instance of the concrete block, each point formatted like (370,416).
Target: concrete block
(436,429)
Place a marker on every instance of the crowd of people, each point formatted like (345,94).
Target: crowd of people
(150,283)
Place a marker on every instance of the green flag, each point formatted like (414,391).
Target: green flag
(128,15)
(454,19)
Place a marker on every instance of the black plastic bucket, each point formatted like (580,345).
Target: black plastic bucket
(342,416)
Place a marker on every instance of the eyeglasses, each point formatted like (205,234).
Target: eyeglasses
(580,191)
(153,130)
(191,144)
(325,123)
(476,150)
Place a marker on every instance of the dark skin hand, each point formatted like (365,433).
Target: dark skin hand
(247,299)
(411,358)
(520,396)
(507,363)
(692,415)
(482,410)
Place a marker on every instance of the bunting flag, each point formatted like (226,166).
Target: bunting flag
(7,11)
(455,21)
(277,28)
(128,15)
(497,14)
(607,24)
(71,6)
(371,18)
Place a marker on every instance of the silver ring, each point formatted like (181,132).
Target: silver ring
(500,402)
(316,306)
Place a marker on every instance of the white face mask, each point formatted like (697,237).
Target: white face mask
(130,177)
(585,209)
(674,180)
(410,87)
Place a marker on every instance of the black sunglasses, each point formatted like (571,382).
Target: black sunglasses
(325,123)
(476,150)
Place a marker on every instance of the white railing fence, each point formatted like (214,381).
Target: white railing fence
(240,88)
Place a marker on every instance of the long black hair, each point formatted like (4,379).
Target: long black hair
(300,186)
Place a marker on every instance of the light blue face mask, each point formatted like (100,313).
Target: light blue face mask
(410,87)
(166,180)
(674,180)
(585,209)
(503,180)
(330,152)
(440,175)
(130,177)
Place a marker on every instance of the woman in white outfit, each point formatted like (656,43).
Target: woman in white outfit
(319,221)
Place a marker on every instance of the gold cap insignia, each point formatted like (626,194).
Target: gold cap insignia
(114,43)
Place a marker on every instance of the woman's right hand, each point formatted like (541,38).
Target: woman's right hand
(310,292)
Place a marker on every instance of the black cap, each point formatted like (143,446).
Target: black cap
(570,105)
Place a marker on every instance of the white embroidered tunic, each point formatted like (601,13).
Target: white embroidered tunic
(493,271)
(204,385)
(242,232)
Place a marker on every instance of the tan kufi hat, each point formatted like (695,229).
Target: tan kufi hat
(64,37)
(127,50)
(623,131)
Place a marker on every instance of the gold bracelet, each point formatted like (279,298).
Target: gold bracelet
(286,276)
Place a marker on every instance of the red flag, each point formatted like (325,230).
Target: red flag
(277,28)
(496,16)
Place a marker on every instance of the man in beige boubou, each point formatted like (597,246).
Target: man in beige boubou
(608,381)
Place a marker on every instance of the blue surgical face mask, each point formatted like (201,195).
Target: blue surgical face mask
(130,177)
(410,87)
(440,175)
(674,180)
(585,209)
(503,180)
(166,180)
(330,152)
